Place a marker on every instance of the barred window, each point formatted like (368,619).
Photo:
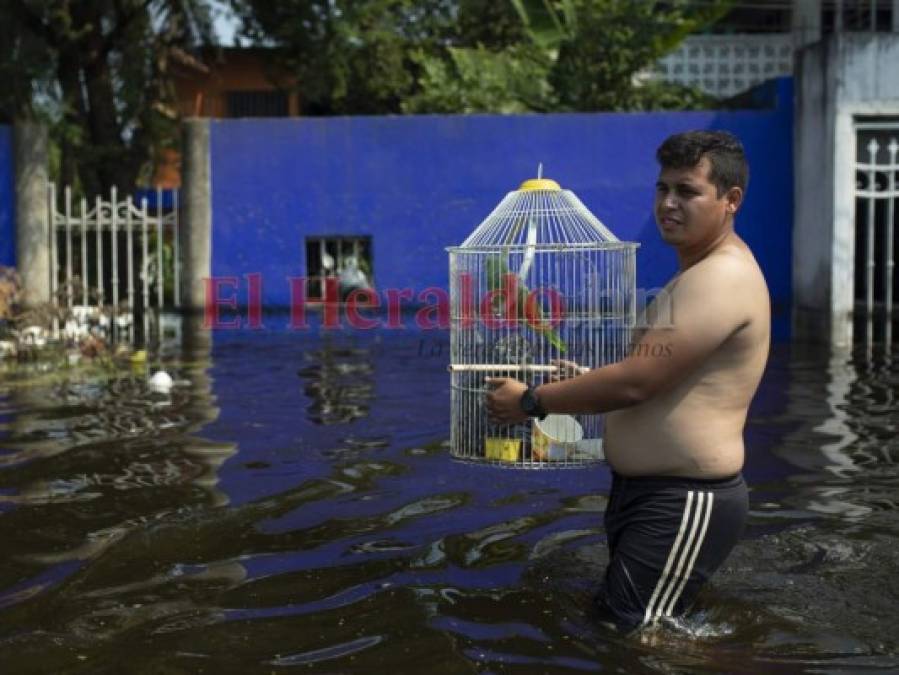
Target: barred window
(347,258)
(265,103)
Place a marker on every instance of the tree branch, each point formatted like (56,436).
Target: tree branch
(112,38)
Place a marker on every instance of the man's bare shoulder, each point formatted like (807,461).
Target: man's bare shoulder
(727,269)
(720,294)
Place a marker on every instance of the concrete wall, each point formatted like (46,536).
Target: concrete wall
(838,80)
(418,184)
(194,235)
(7,198)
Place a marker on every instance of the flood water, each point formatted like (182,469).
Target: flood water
(292,505)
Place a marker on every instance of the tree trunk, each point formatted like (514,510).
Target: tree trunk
(103,122)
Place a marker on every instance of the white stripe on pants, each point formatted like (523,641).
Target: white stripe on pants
(680,560)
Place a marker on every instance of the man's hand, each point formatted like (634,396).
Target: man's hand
(504,400)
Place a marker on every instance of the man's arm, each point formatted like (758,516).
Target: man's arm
(706,311)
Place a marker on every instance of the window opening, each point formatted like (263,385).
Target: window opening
(346,259)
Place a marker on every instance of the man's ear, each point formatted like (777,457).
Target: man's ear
(734,198)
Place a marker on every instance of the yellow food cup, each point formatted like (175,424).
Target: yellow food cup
(503,449)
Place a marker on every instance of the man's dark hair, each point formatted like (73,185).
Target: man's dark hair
(724,150)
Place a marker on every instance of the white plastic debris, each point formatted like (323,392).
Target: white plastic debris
(161,382)
(7,349)
(33,336)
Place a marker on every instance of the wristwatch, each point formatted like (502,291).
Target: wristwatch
(530,404)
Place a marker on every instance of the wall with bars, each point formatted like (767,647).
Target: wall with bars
(418,184)
(7,198)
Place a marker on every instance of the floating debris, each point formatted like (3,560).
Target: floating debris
(161,382)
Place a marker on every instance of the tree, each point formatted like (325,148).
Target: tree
(99,72)
(604,46)
(349,56)
(579,55)
(375,56)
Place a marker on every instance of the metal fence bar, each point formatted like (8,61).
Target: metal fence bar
(83,228)
(114,242)
(99,242)
(160,287)
(889,232)
(872,148)
(68,222)
(129,251)
(145,266)
(54,241)
(176,235)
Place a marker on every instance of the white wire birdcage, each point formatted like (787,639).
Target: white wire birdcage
(541,280)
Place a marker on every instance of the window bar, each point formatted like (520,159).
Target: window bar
(323,273)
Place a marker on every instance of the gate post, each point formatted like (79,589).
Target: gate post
(32,217)
(195,232)
(839,81)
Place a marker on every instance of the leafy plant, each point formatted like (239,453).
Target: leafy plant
(10,289)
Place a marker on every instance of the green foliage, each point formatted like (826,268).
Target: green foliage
(10,289)
(464,56)
(607,43)
(350,56)
(578,55)
(476,79)
(100,73)
(390,56)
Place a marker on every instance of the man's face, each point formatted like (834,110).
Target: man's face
(688,210)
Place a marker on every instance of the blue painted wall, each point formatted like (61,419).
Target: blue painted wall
(7,199)
(418,184)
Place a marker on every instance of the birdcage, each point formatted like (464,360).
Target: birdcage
(540,286)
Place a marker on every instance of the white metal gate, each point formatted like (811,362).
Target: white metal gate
(115,262)
(876,194)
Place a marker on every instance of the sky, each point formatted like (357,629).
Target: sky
(226,24)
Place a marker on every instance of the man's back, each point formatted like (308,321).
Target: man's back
(695,428)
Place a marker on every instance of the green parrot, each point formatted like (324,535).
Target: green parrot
(497,269)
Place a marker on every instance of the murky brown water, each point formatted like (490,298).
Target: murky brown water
(292,506)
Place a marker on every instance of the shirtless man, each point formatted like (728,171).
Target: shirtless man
(674,432)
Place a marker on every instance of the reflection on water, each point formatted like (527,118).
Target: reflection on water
(338,382)
(292,504)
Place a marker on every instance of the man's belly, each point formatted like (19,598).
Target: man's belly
(652,440)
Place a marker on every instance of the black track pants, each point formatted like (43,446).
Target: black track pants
(666,537)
